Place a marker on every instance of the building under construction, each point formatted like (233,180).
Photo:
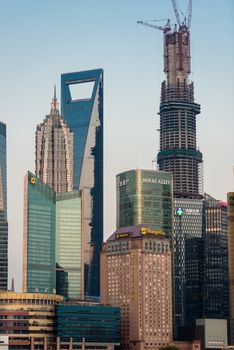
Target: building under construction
(178,149)
(178,152)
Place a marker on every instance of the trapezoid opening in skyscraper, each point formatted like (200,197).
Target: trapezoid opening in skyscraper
(83,112)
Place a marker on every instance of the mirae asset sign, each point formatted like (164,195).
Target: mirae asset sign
(147,180)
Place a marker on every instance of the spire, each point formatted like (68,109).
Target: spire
(54,104)
(12,285)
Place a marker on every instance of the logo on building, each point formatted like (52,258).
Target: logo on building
(33,180)
(122,235)
(179,212)
(148,231)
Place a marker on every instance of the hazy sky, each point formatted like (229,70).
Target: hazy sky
(39,40)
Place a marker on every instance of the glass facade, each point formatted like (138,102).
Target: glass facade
(188,218)
(144,197)
(54,151)
(84,116)
(216,290)
(3,166)
(52,254)
(95,323)
(69,272)
(39,236)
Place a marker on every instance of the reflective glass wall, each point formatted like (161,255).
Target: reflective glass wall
(82,109)
(144,197)
(69,274)
(39,236)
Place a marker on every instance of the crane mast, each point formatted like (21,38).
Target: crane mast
(177,63)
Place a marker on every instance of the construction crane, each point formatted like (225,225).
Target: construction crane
(164,29)
(175,6)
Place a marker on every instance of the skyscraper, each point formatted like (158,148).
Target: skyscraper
(230,217)
(39,273)
(54,151)
(84,115)
(215,274)
(178,149)
(3,211)
(144,197)
(188,221)
(179,154)
(52,252)
(136,276)
(68,255)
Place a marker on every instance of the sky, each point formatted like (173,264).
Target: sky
(40,39)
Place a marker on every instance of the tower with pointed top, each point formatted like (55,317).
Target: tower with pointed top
(54,150)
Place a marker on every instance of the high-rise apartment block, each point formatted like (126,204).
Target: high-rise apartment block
(230,221)
(52,252)
(136,276)
(3,210)
(144,197)
(82,109)
(54,151)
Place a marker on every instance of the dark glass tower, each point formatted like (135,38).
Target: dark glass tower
(84,116)
(216,288)
(178,150)
(3,210)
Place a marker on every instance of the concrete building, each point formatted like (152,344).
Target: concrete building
(230,221)
(144,197)
(52,246)
(27,319)
(82,109)
(54,151)
(3,210)
(136,276)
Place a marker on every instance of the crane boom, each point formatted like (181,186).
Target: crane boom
(189,13)
(163,29)
(176,12)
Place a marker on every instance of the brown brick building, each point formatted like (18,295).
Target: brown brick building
(136,275)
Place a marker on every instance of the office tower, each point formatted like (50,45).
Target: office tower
(178,152)
(52,253)
(3,211)
(136,276)
(54,151)
(188,228)
(144,197)
(83,112)
(215,286)
(39,274)
(69,267)
(230,221)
